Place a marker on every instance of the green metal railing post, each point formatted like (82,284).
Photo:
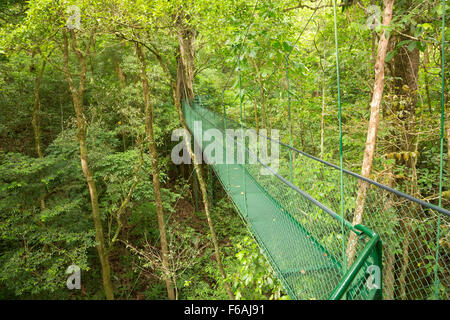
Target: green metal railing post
(341,178)
(441,162)
(289,118)
(225,139)
(241,100)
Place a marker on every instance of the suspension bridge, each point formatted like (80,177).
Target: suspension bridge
(304,238)
(300,215)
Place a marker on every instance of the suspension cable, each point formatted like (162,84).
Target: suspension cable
(298,38)
(242,44)
(441,164)
(341,174)
(289,119)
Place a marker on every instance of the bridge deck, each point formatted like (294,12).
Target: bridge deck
(294,252)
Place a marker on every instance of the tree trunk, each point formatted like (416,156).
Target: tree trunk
(36,122)
(263,106)
(255,110)
(388,275)
(155,173)
(389,255)
(403,139)
(185,64)
(36,109)
(178,87)
(426,78)
(259,81)
(448,143)
(373,128)
(77,98)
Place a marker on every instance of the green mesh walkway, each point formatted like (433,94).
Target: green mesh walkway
(301,237)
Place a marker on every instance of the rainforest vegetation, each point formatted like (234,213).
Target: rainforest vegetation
(91,91)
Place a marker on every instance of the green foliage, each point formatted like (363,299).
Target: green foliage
(254,279)
(38,245)
(45,220)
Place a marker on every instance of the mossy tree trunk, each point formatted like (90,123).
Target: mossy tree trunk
(155,173)
(374,121)
(77,94)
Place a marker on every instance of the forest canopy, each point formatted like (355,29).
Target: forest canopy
(91,92)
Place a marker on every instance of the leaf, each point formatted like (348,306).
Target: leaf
(402,43)
(390,55)
(421,46)
(427,26)
(412,46)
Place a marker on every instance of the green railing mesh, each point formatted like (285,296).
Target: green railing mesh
(298,231)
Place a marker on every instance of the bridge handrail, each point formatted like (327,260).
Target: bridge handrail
(374,246)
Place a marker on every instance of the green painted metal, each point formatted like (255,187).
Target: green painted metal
(371,255)
(386,211)
(441,160)
(298,235)
(341,157)
(289,118)
(241,102)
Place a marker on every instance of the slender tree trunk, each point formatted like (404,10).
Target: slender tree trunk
(36,121)
(122,81)
(374,51)
(388,252)
(186,63)
(322,118)
(77,99)
(448,143)
(263,105)
(426,78)
(373,127)
(403,140)
(388,275)
(155,173)
(36,109)
(255,110)
(186,39)
(178,88)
